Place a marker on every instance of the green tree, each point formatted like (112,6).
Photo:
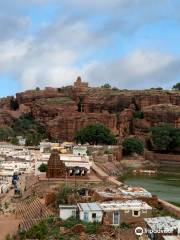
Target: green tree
(15,141)
(106,85)
(63,192)
(43,167)
(6,133)
(132,145)
(29,128)
(176,86)
(165,137)
(95,134)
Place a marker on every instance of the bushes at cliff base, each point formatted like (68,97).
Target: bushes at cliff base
(132,145)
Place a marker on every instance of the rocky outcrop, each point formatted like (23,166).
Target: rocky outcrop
(63,111)
(162,113)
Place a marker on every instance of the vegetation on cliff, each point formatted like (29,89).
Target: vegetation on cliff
(95,134)
(132,145)
(26,127)
(176,86)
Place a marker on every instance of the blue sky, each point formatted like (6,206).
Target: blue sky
(128,43)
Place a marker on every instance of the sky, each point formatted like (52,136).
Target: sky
(130,44)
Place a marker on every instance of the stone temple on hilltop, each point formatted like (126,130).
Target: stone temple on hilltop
(79,85)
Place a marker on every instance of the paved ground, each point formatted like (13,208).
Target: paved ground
(8,222)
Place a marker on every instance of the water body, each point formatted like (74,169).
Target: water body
(166,187)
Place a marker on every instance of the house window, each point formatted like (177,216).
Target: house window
(136,213)
(116,218)
(86,216)
(93,215)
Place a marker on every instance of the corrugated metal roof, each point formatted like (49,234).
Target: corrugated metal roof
(86,207)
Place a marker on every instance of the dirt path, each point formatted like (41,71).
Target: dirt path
(8,225)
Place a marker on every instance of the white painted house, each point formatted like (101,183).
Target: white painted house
(90,212)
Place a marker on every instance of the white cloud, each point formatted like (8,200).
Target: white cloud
(140,69)
(67,46)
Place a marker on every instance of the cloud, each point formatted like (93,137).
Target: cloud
(71,42)
(140,69)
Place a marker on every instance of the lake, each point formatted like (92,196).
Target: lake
(165,187)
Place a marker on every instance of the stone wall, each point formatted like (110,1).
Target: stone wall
(170,207)
(161,157)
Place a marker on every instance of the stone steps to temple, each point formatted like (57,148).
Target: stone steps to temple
(32,212)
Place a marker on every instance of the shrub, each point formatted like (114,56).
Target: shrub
(125,225)
(62,194)
(138,114)
(6,133)
(165,137)
(43,167)
(95,134)
(38,231)
(14,141)
(132,145)
(70,222)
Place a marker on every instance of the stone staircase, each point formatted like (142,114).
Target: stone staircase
(31,212)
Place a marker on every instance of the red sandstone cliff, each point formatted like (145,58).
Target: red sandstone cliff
(65,110)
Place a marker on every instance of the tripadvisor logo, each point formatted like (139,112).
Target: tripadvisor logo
(139,231)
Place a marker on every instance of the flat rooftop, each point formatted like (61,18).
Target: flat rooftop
(125,205)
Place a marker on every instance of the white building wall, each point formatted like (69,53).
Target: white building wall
(66,213)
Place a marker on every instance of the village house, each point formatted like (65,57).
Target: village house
(130,211)
(109,213)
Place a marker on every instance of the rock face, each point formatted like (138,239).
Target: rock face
(63,111)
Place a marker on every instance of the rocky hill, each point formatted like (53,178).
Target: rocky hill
(63,111)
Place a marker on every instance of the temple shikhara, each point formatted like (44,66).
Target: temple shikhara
(56,168)
(66,165)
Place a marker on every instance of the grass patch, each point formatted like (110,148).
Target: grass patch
(58,100)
